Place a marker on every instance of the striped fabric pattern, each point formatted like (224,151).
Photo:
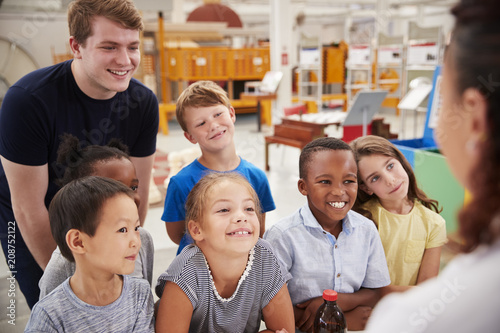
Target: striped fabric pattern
(242,312)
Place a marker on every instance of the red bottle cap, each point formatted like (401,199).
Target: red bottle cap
(330,295)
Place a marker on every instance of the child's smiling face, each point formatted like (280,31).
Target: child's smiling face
(330,185)
(212,127)
(230,222)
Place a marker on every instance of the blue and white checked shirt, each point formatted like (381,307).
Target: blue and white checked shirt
(318,261)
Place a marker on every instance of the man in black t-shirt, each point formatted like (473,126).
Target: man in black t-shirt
(92,97)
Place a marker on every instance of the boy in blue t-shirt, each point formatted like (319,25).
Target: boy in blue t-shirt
(325,245)
(95,223)
(206,116)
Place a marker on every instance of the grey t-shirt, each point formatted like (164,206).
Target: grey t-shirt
(59,268)
(63,311)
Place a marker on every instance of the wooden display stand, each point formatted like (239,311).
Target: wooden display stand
(178,66)
(258,98)
(292,135)
(297,132)
(215,64)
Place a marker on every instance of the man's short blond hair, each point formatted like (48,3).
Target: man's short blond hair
(82,12)
(200,94)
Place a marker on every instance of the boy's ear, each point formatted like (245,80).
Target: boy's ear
(195,230)
(190,138)
(232,113)
(301,184)
(365,189)
(75,241)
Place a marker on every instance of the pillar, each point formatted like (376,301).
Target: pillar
(281,30)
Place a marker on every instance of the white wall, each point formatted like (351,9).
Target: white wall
(431,18)
(333,34)
(397,25)
(37,33)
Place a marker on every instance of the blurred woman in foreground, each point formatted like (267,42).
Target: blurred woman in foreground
(465,296)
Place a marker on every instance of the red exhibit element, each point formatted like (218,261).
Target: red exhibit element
(284,59)
(352,132)
(215,12)
(295,109)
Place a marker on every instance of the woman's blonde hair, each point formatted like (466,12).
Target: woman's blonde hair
(199,196)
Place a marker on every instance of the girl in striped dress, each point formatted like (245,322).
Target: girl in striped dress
(229,280)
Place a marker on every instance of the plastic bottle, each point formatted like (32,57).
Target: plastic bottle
(329,317)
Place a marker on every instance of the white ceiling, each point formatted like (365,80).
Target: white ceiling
(256,12)
(329,12)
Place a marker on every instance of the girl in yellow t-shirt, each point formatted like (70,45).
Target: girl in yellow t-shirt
(410,227)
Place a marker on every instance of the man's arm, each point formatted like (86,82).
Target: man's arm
(143,169)
(28,187)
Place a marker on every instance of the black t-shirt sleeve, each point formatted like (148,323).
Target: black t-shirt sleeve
(23,131)
(145,145)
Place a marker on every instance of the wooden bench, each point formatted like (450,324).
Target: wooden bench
(289,135)
(318,129)
(382,129)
